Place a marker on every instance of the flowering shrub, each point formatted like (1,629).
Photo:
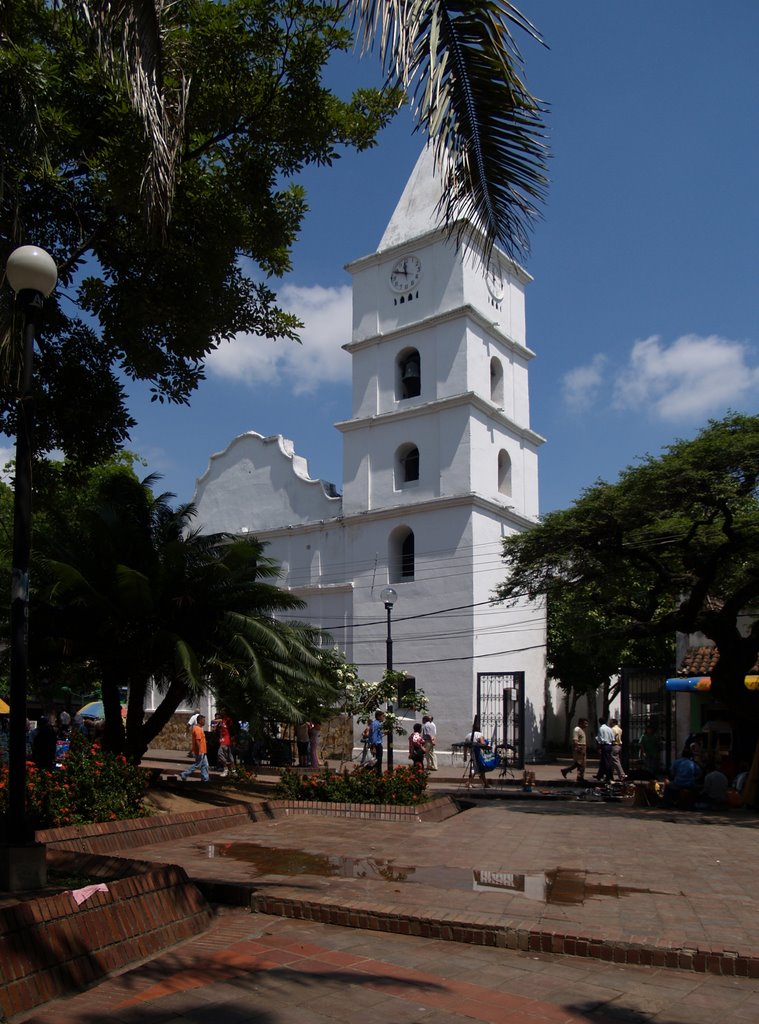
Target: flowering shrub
(241,774)
(403,786)
(90,786)
(361,699)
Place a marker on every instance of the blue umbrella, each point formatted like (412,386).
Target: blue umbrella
(95,710)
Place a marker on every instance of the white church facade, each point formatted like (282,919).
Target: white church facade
(439,465)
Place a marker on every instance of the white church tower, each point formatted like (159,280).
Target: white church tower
(439,465)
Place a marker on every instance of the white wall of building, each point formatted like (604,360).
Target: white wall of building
(477,482)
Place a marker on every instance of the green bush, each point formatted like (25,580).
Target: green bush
(405,786)
(90,786)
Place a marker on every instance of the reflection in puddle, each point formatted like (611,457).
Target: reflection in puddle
(557,886)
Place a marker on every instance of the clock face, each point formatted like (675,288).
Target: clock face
(495,278)
(405,274)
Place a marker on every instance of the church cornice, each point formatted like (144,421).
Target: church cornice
(469,398)
(472,500)
(466,311)
(474,237)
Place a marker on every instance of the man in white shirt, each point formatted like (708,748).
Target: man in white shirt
(429,732)
(605,740)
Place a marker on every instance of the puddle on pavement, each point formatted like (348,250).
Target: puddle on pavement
(560,885)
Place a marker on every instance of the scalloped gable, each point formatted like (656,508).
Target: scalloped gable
(258,483)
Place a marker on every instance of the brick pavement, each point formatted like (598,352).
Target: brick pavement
(673,881)
(599,880)
(264,970)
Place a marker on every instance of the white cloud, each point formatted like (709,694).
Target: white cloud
(581,385)
(693,378)
(326,314)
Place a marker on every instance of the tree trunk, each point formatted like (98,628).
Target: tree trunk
(139,739)
(113,734)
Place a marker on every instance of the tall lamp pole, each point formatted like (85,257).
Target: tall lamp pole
(32,274)
(389,597)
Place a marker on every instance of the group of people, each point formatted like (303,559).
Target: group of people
(307,737)
(421,742)
(697,781)
(46,737)
(609,744)
(692,780)
(224,726)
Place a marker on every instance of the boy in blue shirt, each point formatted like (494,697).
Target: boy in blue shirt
(376,736)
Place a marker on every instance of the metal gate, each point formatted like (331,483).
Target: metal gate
(645,702)
(500,709)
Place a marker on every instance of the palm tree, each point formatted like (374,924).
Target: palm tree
(462,68)
(457,60)
(137,41)
(132,594)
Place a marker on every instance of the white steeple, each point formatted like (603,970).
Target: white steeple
(417,210)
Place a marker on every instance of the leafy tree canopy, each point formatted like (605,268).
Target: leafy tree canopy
(587,652)
(673,546)
(127,593)
(134,301)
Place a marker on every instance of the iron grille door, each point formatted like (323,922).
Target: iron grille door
(500,709)
(644,702)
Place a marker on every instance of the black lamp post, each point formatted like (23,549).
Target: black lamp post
(32,274)
(389,597)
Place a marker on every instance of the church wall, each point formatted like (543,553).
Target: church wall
(508,638)
(258,483)
(435,649)
(520,492)
(339,555)
(516,397)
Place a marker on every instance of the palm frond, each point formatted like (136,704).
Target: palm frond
(460,63)
(158,90)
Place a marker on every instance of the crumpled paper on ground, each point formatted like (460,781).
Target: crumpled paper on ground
(80,895)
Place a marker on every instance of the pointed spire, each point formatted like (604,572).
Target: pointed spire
(416,212)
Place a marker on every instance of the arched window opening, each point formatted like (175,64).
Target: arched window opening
(496,382)
(409,462)
(408,375)
(504,472)
(401,555)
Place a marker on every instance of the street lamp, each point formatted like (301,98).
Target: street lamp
(32,274)
(389,597)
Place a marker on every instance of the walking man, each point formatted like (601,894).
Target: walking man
(429,732)
(376,737)
(616,749)
(604,740)
(198,742)
(579,750)
(224,727)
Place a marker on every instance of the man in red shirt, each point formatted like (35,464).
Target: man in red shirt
(198,742)
(224,727)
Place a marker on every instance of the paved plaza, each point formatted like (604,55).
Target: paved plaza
(665,881)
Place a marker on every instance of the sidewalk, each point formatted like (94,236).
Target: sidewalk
(254,969)
(533,875)
(603,880)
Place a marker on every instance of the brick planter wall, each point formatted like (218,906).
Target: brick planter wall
(439,809)
(51,946)
(110,836)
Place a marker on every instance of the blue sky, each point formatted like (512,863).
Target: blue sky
(643,311)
